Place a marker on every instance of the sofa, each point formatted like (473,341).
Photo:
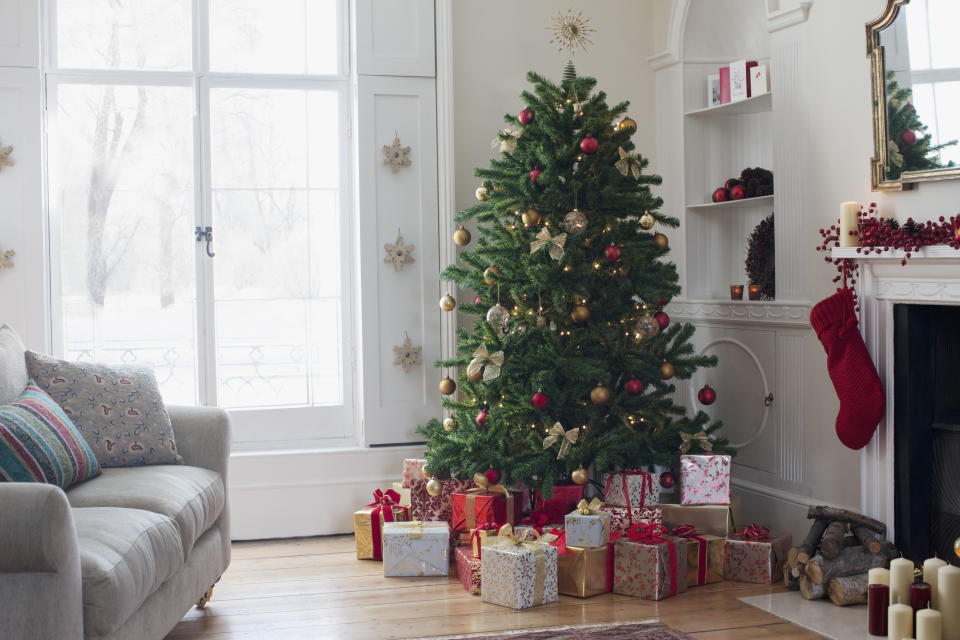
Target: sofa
(121,556)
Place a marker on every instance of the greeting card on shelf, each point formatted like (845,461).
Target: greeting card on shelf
(759,80)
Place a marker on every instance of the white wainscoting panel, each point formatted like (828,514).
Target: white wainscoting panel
(19,33)
(395,37)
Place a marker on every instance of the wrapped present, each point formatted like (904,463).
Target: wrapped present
(588,525)
(368,523)
(621,518)
(563,501)
(716,520)
(404,493)
(705,479)
(478,536)
(413,471)
(416,549)
(426,507)
(753,555)
(585,572)
(484,503)
(647,564)
(704,555)
(632,488)
(468,570)
(518,573)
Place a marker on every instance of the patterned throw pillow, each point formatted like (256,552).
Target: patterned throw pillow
(118,410)
(39,443)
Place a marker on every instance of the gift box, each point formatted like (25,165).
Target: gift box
(621,518)
(468,570)
(648,564)
(413,471)
(563,500)
(488,503)
(474,539)
(704,555)
(753,555)
(585,572)
(426,507)
(404,493)
(416,549)
(368,523)
(632,488)
(518,573)
(705,479)
(716,520)
(588,525)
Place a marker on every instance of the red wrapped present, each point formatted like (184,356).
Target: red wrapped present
(621,518)
(468,570)
(563,501)
(753,555)
(648,564)
(484,503)
(704,555)
(632,488)
(428,508)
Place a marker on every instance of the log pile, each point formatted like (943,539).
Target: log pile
(834,557)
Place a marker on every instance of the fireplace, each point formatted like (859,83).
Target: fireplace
(926,429)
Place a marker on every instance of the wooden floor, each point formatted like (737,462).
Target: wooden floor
(316,588)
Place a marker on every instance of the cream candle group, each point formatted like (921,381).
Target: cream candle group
(899,622)
(931,571)
(879,575)
(849,222)
(901,577)
(929,625)
(948,586)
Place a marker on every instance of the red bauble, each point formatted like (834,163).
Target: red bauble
(707,395)
(540,400)
(633,386)
(589,144)
(667,480)
(662,319)
(478,300)
(721,195)
(525,117)
(481,418)
(662,302)
(535,174)
(493,476)
(908,138)
(738,192)
(612,253)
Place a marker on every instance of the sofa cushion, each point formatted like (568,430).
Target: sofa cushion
(118,409)
(192,496)
(39,443)
(125,555)
(13,369)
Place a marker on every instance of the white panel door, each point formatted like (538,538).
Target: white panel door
(395,37)
(19,33)
(398,303)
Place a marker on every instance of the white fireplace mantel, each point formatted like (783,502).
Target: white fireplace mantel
(931,276)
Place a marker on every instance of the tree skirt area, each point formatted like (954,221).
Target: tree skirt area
(820,616)
(647,630)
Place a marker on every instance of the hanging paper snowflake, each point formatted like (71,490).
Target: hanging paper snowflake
(396,156)
(407,355)
(5,160)
(399,254)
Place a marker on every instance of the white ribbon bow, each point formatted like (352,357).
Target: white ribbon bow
(566,438)
(491,361)
(555,243)
(628,163)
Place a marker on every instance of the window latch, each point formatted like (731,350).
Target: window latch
(205,233)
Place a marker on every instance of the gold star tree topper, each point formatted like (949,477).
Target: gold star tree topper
(571,31)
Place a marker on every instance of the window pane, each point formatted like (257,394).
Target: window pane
(122,179)
(124,34)
(281,36)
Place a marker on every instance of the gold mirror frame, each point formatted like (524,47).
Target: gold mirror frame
(877,76)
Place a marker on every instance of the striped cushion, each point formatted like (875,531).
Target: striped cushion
(39,443)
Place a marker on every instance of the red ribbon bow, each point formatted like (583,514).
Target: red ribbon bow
(538,520)
(652,533)
(690,531)
(383,503)
(475,534)
(753,532)
(645,484)
(561,542)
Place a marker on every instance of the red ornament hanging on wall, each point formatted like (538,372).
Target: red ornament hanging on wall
(589,144)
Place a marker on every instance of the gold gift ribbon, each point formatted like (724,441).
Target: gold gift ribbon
(484,488)
(415,527)
(700,439)
(592,508)
(506,538)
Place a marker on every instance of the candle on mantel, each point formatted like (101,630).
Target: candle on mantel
(850,224)
(948,596)
(919,596)
(929,625)
(931,570)
(901,577)
(879,575)
(878,600)
(899,621)
(754,291)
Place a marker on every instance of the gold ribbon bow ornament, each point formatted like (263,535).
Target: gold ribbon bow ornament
(566,438)
(555,243)
(700,439)
(489,363)
(628,163)
(589,508)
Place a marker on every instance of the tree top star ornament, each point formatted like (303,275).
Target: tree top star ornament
(571,31)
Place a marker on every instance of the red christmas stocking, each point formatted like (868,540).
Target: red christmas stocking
(852,371)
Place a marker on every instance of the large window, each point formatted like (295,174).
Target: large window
(169,117)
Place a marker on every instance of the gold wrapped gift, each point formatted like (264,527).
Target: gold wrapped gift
(482,537)
(583,572)
(363,530)
(404,493)
(705,549)
(716,520)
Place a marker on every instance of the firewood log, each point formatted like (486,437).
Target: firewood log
(791,582)
(850,562)
(848,590)
(832,541)
(868,539)
(808,547)
(843,515)
(811,591)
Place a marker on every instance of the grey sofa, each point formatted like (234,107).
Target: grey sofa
(121,556)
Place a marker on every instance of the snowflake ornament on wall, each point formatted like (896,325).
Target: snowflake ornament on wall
(399,254)
(6,259)
(5,160)
(396,156)
(407,355)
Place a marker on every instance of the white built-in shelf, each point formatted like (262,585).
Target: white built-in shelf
(939,252)
(731,204)
(757,104)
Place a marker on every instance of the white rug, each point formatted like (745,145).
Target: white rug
(819,616)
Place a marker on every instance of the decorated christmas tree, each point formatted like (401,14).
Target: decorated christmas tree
(909,146)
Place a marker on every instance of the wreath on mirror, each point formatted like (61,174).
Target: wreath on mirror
(760,258)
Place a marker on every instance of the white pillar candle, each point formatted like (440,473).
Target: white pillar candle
(931,570)
(901,577)
(849,221)
(878,575)
(899,622)
(948,586)
(929,625)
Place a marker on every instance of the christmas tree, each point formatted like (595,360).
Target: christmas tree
(571,356)
(909,146)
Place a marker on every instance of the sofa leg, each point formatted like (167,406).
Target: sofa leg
(205,598)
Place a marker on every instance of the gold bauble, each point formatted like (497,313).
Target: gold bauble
(530,217)
(647,221)
(580,313)
(449,424)
(434,487)
(660,241)
(628,124)
(448,303)
(447,386)
(956,547)
(646,327)
(580,476)
(666,371)
(600,395)
(475,370)
(461,237)
(482,193)
(575,221)
(491,275)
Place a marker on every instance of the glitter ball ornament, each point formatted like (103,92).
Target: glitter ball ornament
(461,237)
(525,116)
(498,316)
(612,253)
(646,327)
(492,475)
(707,395)
(580,313)
(589,144)
(633,387)
(540,400)
(448,303)
(447,386)
(481,419)
(667,480)
(434,487)
(491,275)
(662,319)
(449,424)
(483,193)
(666,371)
(575,222)
(581,476)
(600,395)
(647,221)
(530,217)
(660,241)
